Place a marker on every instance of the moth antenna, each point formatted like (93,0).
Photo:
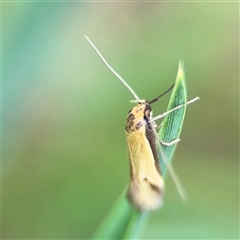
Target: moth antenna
(171,110)
(174,176)
(113,71)
(156,98)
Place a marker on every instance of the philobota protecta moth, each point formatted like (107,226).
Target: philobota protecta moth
(146,186)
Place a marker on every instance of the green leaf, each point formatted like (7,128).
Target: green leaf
(123,221)
(173,122)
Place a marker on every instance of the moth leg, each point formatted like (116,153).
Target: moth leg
(170,143)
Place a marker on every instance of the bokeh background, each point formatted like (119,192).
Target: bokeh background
(64,159)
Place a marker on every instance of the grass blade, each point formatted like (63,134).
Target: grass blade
(173,122)
(122,222)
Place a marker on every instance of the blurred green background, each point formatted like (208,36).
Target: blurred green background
(64,159)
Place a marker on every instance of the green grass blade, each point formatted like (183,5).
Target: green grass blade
(123,221)
(173,122)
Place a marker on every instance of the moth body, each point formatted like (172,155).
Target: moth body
(146,183)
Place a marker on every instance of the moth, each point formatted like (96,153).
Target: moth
(146,186)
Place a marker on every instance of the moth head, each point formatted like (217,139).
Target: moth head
(141,110)
(141,114)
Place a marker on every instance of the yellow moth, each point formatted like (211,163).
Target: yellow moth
(146,185)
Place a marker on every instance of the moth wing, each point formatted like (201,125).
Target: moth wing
(146,186)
